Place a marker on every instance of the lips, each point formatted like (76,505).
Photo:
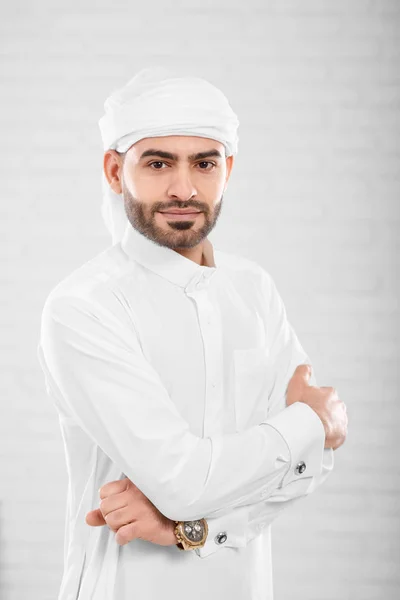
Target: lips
(180,212)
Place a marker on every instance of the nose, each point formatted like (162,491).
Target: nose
(181,186)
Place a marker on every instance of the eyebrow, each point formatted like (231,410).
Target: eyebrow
(171,156)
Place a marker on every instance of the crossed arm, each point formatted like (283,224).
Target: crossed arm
(239,482)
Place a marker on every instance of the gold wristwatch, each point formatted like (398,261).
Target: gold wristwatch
(191,534)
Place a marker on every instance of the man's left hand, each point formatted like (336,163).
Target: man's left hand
(130,514)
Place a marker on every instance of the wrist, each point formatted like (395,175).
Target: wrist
(171,538)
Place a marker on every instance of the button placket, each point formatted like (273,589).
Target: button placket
(212,342)
(210,327)
(214,371)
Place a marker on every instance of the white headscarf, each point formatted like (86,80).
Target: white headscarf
(156,102)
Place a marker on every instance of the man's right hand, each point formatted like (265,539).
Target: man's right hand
(324,401)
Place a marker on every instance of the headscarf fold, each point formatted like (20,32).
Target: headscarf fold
(157,102)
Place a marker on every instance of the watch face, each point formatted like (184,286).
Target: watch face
(194,530)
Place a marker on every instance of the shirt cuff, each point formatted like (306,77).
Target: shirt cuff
(227,531)
(304,434)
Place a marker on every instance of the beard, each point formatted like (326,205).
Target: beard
(172,234)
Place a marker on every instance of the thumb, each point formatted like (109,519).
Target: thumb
(95,518)
(299,380)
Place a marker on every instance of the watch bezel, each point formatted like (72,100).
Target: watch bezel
(189,542)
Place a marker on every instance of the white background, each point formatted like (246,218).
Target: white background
(313,197)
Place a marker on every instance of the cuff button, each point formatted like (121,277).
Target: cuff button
(300,468)
(220,538)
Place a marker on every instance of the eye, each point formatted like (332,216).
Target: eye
(157,162)
(205,162)
(160,162)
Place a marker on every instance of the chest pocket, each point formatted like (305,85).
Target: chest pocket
(252,376)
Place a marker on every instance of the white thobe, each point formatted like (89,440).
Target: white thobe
(174,375)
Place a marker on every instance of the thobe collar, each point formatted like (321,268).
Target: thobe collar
(167,262)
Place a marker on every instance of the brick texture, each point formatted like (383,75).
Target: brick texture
(314,197)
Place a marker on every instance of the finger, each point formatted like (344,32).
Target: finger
(113,487)
(299,379)
(114,502)
(126,534)
(95,518)
(118,518)
(303,373)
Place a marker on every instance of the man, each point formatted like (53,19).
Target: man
(188,410)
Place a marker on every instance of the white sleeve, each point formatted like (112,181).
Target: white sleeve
(305,440)
(118,399)
(242,524)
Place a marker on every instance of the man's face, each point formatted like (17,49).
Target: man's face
(153,183)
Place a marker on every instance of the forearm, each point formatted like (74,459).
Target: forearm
(248,464)
(242,524)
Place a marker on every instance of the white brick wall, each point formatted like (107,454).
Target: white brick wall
(314,197)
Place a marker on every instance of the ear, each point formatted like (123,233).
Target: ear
(112,166)
(229,164)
